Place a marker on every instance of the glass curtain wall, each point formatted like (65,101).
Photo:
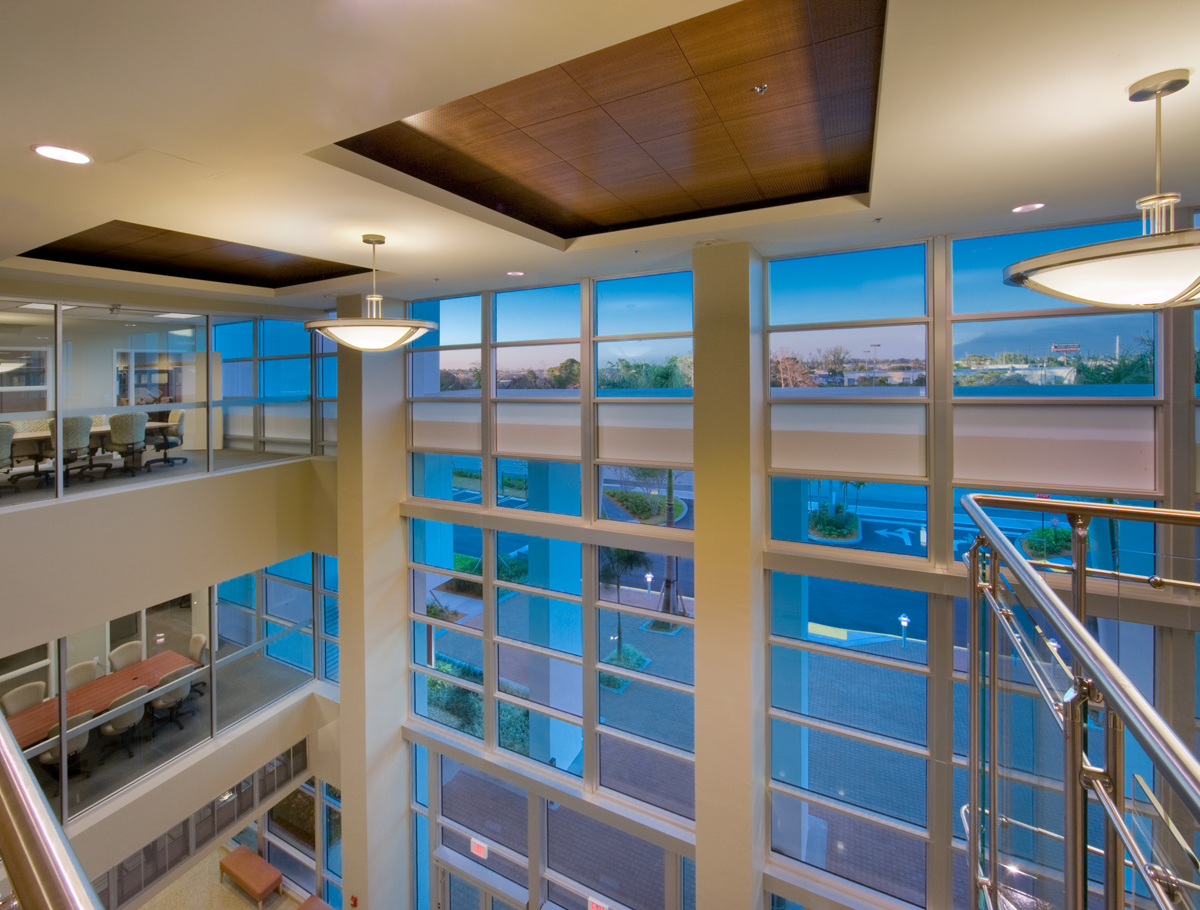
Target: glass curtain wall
(896,380)
(563,652)
(142,689)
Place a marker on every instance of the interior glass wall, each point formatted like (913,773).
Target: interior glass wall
(128,393)
(142,689)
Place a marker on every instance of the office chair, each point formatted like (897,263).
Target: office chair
(122,728)
(196,652)
(121,657)
(7,432)
(75,746)
(171,701)
(22,697)
(77,445)
(127,438)
(171,437)
(82,672)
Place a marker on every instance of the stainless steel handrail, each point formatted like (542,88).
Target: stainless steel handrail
(1166,751)
(40,863)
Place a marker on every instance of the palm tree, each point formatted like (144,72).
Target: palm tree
(614,563)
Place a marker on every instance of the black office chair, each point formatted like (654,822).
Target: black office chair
(171,437)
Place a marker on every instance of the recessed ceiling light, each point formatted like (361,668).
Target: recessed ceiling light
(176,316)
(43,306)
(1030,207)
(514,274)
(60,154)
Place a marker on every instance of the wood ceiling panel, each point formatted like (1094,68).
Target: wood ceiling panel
(831,18)
(717,184)
(789,127)
(654,195)
(617,164)
(850,158)
(584,133)
(791,79)
(510,153)
(691,148)
(743,32)
(672,109)
(459,122)
(790,172)
(850,63)
(155,251)
(666,125)
(850,113)
(631,67)
(541,96)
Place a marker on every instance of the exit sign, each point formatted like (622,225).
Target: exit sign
(594,904)
(478,848)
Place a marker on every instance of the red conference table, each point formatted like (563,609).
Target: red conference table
(31,725)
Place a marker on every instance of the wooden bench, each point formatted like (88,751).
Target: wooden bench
(251,873)
(315,903)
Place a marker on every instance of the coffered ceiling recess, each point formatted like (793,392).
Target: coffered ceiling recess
(759,103)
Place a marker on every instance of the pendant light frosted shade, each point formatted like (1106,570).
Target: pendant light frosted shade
(368,333)
(1159,269)
(371,332)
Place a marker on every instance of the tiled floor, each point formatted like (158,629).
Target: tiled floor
(200,888)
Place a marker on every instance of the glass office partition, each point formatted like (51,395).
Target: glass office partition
(26,402)
(133,395)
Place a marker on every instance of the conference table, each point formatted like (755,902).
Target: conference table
(34,443)
(33,724)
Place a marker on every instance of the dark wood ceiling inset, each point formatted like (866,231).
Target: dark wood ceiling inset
(139,248)
(665,126)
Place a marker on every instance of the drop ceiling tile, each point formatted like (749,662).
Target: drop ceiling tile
(654,195)
(459,122)
(791,172)
(743,32)
(716,184)
(850,159)
(831,18)
(850,63)
(616,164)
(850,113)
(510,153)
(790,126)
(395,145)
(541,96)
(790,77)
(579,134)
(693,147)
(631,67)
(665,111)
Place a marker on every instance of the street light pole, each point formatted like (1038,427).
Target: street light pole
(874,362)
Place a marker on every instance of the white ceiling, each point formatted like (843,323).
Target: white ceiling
(205,118)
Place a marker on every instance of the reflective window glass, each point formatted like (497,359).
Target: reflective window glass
(644,304)
(458,320)
(537,313)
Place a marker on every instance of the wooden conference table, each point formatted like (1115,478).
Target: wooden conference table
(31,725)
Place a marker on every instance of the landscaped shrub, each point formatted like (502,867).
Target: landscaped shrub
(648,508)
(1047,541)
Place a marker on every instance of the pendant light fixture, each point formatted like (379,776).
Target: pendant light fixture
(1159,269)
(371,332)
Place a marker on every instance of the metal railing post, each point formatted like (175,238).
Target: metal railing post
(992,571)
(1075,711)
(973,679)
(1114,847)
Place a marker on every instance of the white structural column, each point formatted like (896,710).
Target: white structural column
(376,823)
(730,612)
